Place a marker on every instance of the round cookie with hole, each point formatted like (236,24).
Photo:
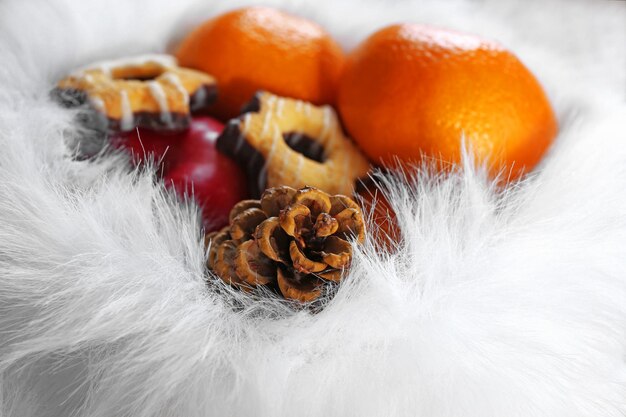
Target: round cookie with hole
(149,91)
(282,141)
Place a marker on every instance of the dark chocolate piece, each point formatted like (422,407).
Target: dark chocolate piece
(253,106)
(153,121)
(232,143)
(202,98)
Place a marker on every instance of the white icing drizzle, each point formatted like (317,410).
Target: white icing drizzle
(299,166)
(97,103)
(156,89)
(271,102)
(175,81)
(326,126)
(126,122)
(239,143)
(279,108)
(275,139)
(240,138)
(299,106)
(287,157)
(266,123)
(163,60)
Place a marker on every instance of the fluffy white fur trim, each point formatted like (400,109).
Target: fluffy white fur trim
(496,304)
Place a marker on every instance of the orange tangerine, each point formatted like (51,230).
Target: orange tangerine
(260,48)
(411,90)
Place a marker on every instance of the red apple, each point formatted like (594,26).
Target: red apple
(145,144)
(215,180)
(193,166)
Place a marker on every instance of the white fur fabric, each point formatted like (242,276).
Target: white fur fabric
(497,304)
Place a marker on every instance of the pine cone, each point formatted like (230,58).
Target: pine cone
(292,240)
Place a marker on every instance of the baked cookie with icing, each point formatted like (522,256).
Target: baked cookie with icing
(145,91)
(282,141)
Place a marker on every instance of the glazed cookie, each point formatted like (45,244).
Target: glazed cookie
(283,141)
(147,91)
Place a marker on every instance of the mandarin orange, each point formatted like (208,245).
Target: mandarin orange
(259,48)
(412,91)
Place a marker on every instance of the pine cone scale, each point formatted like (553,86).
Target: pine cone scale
(225,262)
(296,287)
(294,219)
(242,206)
(272,240)
(325,225)
(351,224)
(244,224)
(337,252)
(317,201)
(253,266)
(298,240)
(302,263)
(274,200)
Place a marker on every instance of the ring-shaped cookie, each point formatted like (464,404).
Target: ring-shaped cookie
(146,91)
(282,141)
